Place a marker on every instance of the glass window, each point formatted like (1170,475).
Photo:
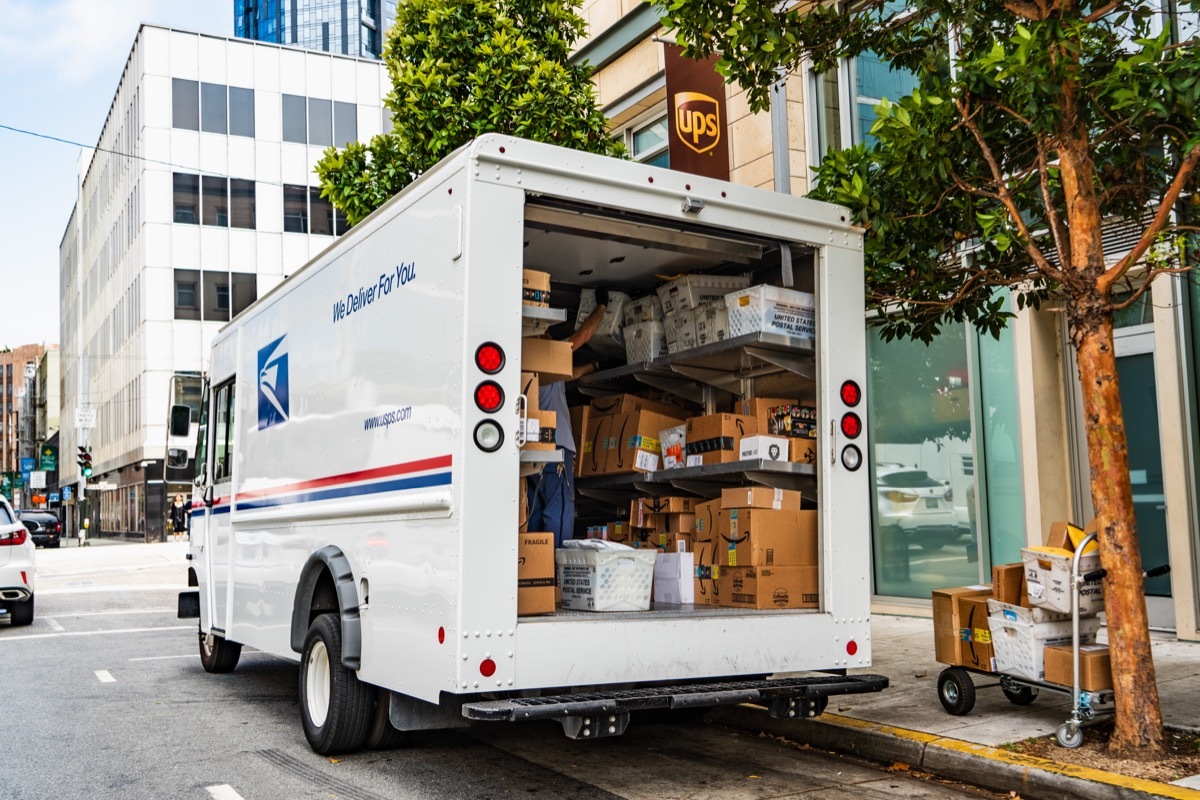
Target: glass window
(216,201)
(214,107)
(1005,497)
(222,300)
(339,220)
(875,80)
(185,104)
(294,119)
(322,213)
(295,209)
(245,291)
(223,434)
(345,123)
(320,122)
(829,113)
(185,294)
(187,198)
(202,436)
(241,111)
(241,203)
(649,143)
(922,464)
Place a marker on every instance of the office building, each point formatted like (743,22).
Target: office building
(345,27)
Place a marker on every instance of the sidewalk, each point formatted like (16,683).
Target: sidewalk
(907,723)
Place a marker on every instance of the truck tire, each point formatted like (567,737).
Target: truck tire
(21,613)
(221,656)
(381,735)
(335,707)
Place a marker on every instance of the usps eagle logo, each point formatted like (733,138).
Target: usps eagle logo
(273,384)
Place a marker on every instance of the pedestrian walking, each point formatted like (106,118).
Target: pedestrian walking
(179,518)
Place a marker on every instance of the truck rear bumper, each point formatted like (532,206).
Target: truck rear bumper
(783,698)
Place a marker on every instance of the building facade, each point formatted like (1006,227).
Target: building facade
(199,197)
(998,422)
(345,27)
(17,367)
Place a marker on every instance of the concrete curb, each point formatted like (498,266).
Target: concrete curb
(977,764)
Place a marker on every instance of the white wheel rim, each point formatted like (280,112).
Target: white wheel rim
(316,683)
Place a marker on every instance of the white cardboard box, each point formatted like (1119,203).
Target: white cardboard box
(769,448)
(1048,580)
(674,578)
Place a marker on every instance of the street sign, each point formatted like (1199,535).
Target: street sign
(102,486)
(54,497)
(85,418)
(26,468)
(68,492)
(49,458)
(37,480)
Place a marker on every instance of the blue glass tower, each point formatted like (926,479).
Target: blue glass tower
(345,27)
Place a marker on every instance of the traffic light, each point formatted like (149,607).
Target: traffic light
(85,461)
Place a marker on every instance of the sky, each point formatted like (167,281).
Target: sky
(60,61)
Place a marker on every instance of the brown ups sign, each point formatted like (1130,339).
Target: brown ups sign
(698,136)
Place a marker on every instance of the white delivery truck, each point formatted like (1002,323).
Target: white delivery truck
(356,500)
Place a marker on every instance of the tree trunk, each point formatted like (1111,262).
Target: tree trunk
(1138,732)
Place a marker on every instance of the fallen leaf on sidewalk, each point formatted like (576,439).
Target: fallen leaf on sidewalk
(752,777)
(899,766)
(920,674)
(335,761)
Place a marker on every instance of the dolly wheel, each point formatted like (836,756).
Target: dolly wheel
(956,691)
(1019,695)
(1069,736)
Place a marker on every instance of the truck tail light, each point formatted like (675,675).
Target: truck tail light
(851,393)
(488,436)
(489,358)
(851,457)
(851,425)
(489,396)
(13,538)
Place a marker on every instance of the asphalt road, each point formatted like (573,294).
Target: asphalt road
(104,697)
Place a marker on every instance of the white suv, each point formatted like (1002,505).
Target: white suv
(16,567)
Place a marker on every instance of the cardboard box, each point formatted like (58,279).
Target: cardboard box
(782,417)
(975,637)
(581,417)
(1064,535)
(768,587)
(712,522)
(1048,580)
(802,451)
(674,578)
(619,532)
(768,448)
(708,573)
(668,505)
(762,537)
(630,403)
(535,287)
(540,431)
(592,455)
(638,447)
(1020,647)
(1030,616)
(674,447)
(551,360)
(947,620)
(535,574)
(717,438)
(522,504)
(1008,583)
(1095,666)
(760,497)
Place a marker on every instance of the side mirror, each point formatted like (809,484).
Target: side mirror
(181,421)
(177,458)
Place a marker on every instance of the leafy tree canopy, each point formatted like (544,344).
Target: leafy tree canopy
(462,68)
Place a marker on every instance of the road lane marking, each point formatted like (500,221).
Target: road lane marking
(53,623)
(123,588)
(96,633)
(104,676)
(161,658)
(110,613)
(223,791)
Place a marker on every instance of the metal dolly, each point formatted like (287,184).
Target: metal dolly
(956,689)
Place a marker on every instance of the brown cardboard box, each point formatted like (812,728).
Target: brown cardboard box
(637,444)
(535,288)
(974,637)
(1095,666)
(760,497)
(543,438)
(669,505)
(712,522)
(715,438)
(522,504)
(529,388)
(706,585)
(803,451)
(1008,583)
(593,451)
(581,417)
(667,523)
(620,532)
(762,537)
(1060,536)
(535,574)
(768,587)
(947,620)
(782,417)
(630,403)
(551,360)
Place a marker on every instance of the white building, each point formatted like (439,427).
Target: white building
(199,197)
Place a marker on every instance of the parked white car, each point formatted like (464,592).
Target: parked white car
(16,567)
(920,506)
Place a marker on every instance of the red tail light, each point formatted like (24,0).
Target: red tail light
(489,358)
(13,538)
(58,527)
(851,425)
(851,394)
(489,396)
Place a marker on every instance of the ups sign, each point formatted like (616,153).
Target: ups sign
(696,116)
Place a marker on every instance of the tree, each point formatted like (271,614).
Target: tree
(462,68)
(1034,123)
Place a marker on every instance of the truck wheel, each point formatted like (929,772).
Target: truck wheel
(220,656)
(21,613)
(335,707)
(956,691)
(381,735)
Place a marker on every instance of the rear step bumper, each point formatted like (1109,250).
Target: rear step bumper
(783,698)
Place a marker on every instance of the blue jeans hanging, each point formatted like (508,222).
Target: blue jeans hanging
(552,507)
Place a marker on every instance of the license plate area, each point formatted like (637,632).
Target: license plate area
(931,502)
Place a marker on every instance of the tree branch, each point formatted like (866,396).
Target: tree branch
(1103,11)
(1157,225)
(1031,11)
(1062,242)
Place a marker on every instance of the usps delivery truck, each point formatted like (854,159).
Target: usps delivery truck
(356,497)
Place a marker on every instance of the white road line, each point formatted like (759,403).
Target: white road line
(96,633)
(111,613)
(104,676)
(122,588)
(223,792)
(53,623)
(161,658)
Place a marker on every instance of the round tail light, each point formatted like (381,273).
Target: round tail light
(851,425)
(851,394)
(489,396)
(488,436)
(489,358)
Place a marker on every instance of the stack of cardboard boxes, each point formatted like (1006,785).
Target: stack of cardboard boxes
(1016,627)
(621,434)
